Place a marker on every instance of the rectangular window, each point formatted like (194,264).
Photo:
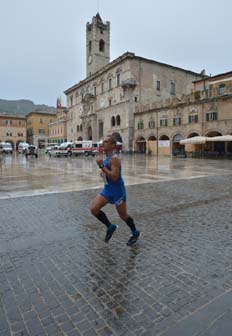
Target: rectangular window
(222,89)
(71,100)
(173,88)
(41,120)
(151,124)
(20,123)
(110,83)
(211,116)
(158,85)
(41,131)
(193,119)
(118,79)
(176,121)
(140,125)
(102,87)
(163,122)
(110,102)
(95,90)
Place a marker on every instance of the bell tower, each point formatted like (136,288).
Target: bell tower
(97,44)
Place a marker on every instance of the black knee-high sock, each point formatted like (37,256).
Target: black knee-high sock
(130,222)
(103,218)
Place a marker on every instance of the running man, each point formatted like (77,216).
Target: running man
(114,192)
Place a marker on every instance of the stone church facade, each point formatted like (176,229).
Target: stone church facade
(107,100)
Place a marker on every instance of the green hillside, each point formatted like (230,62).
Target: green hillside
(21,107)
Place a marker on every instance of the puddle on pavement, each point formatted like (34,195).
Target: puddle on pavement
(20,177)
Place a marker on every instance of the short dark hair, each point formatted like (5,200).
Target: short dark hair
(112,139)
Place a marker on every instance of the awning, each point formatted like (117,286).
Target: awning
(194,140)
(222,138)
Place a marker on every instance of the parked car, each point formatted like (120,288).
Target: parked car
(7,147)
(22,147)
(31,150)
(49,148)
(53,151)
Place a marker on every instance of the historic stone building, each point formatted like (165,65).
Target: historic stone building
(206,111)
(58,127)
(108,98)
(37,127)
(12,130)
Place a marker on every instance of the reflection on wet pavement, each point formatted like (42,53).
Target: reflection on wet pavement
(28,177)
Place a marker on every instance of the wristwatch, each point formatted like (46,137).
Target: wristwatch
(101,165)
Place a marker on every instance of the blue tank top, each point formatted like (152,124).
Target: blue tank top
(119,181)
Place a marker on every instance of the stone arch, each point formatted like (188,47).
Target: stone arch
(218,146)
(164,137)
(213,133)
(152,138)
(141,145)
(152,144)
(193,134)
(176,146)
(177,137)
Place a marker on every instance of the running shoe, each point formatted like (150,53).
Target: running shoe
(133,239)
(109,232)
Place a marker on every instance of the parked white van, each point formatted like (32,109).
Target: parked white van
(7,147)
(22,147)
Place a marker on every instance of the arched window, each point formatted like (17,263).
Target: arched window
(102,45)
(113,121)
(118,120)
(78,128)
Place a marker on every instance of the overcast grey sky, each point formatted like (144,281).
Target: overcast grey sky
(42,50)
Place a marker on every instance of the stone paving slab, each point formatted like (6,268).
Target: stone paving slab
(58,277)
(214,319)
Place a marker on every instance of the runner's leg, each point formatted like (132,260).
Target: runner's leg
(98,203)
(122,211)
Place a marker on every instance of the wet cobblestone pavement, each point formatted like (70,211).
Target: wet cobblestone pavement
(58,277)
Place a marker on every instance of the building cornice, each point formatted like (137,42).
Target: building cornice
(11,117)
(124,57)
(218,76)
